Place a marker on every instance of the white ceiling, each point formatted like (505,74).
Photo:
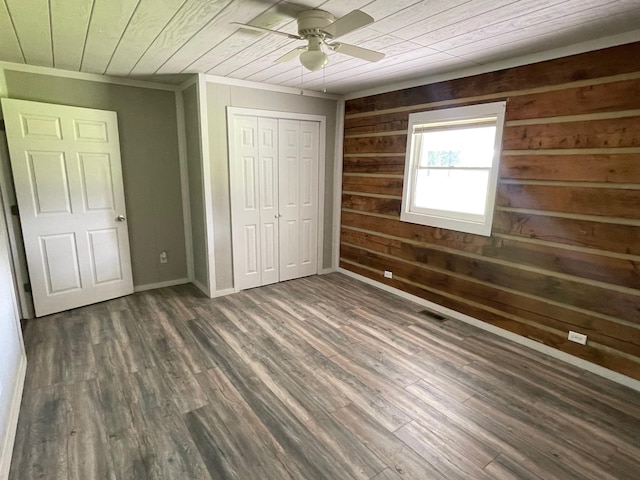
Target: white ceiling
(137,38)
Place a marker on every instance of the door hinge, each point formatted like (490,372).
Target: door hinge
(14,210)
(27,287)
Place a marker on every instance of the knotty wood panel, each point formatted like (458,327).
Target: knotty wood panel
(619,239)
(621,203)
(565,249)
(601,268)
(383,144)
(393,165)
(617,168)
(592,65)
(381,185)
(377,123)
(555,289)
(385,206)
(604,97)
(606,133)
(610,237)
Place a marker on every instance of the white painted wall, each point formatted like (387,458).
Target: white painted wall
(12,356)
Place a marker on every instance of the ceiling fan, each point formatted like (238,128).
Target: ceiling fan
(320,29)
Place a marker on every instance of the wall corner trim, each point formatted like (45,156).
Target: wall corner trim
(12,426)
(539,347)
(207,197)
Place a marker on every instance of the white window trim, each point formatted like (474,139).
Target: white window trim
(440,218)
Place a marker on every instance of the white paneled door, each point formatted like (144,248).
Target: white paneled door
(68,181)
(274,193)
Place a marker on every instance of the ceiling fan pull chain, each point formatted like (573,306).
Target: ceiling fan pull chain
(324,89)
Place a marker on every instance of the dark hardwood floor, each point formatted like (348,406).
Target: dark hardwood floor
(318,378)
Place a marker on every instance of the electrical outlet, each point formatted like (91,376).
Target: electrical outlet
(577,337)
(388,274)
(164,258)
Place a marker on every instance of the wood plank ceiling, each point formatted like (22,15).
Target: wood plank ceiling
(138,38)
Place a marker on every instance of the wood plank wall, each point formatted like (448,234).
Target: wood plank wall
(564,253)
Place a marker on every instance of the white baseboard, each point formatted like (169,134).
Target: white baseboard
(540,347)
(153,286)
(222,293)
(7,446)
(326,271)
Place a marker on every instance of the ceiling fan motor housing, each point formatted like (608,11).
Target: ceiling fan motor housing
(310,23)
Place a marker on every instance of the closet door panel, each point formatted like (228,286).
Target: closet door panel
(289,191)
(245,181)
(308,180)
(269,214)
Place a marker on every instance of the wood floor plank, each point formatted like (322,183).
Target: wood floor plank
(450,463)
(225,398)
(387,474)
(562,409)
(45,352)
(503,468)
(109,359)
(40,446)
(515,444)
(314,459)
(137,352)
(533,433)
(88,450)
(176,454)
(474,447)
(288,382)
(322,377)
(100,327)
(395,453)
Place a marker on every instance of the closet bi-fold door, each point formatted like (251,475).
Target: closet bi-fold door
(298,187)
(254,189)
(274,190)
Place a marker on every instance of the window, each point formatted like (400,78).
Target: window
(451,169)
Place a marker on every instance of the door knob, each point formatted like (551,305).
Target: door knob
(120,218)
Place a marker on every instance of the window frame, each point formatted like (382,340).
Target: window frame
(459,221)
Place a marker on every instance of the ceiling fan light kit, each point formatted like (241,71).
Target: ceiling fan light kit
(319,28)
(314,57)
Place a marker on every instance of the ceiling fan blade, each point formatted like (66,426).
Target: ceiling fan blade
(290,55)
(350,22)
(262,29)
(358,52)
